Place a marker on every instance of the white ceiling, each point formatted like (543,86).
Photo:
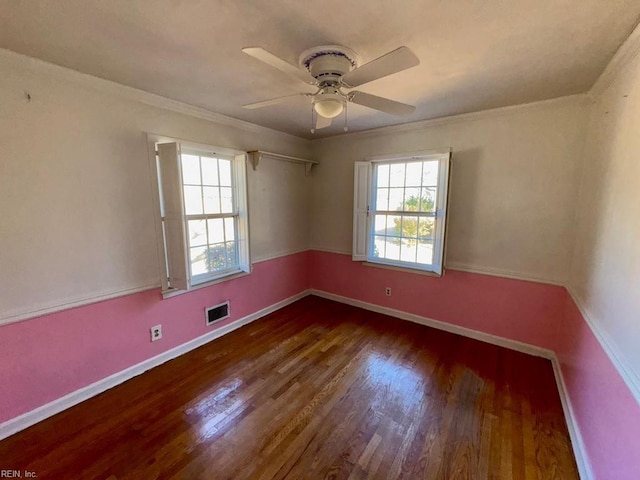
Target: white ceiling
(474,54)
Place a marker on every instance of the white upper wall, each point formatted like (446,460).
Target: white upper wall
(605,276)
(75,186)
(514,183)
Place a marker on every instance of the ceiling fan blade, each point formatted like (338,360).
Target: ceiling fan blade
(273,101)
(282,65)
(379,103)
(388,64)
(322,122)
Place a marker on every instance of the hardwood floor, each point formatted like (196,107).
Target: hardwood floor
(316,390)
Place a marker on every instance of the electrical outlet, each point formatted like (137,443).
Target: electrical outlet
(387,291)
(156,333)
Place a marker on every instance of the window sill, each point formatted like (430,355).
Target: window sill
(231,276)
(428,273)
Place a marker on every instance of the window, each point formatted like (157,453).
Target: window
(400,207)
(203,214)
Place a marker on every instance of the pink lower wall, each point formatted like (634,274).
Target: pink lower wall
(525,311)
(606,411)
(538,314)
(45,358)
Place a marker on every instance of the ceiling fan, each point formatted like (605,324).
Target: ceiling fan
(331,68)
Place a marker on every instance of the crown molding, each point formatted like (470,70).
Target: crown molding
(580,98)
(623,56)
(130,93)
(141,96)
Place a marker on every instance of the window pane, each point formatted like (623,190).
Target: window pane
(216,257)
(425,252)
(197,233)
(428,200)
(411,187)
(411,199)
(211,199)
(232,255)
(191,169)
(414,174)
(396,197)
(225,172)
(409,227)
(216,232)
(392,249)
(408,250)
(192,200)
(378,246)
(426,227)
(393,225)
(198,258)
(380,223)
(382,199)
(396,174)
(229,229)
(430,173)
(209,171)
(383,176)
(226,194)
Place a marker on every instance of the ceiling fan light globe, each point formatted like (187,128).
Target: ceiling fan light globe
(328,107)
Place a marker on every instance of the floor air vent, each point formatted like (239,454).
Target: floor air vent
(216,313)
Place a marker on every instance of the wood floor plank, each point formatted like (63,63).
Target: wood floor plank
(315,390)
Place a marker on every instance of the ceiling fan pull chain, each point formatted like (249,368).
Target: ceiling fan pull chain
(346,125)
(313,130)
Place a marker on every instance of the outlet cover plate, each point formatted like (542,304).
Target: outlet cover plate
(156,333)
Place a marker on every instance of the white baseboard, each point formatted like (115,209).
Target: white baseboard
(447,327)
(41,413)
(45,411)
(579,451)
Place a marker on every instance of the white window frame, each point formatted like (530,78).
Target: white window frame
(365,209)
(171,219)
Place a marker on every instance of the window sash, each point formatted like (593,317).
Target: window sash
(165,157)
(228,267)
(218,272)
(364,216)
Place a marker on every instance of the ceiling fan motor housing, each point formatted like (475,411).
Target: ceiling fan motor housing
(328,63)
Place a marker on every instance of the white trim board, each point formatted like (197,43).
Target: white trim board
(496,272)
(460,267)
(278,255)
(579,451)
(437,324)
(580,98)
(67,305)
(133,94)
(101,297)
(629,376)
(41,413)
(50,409)
(623,56)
